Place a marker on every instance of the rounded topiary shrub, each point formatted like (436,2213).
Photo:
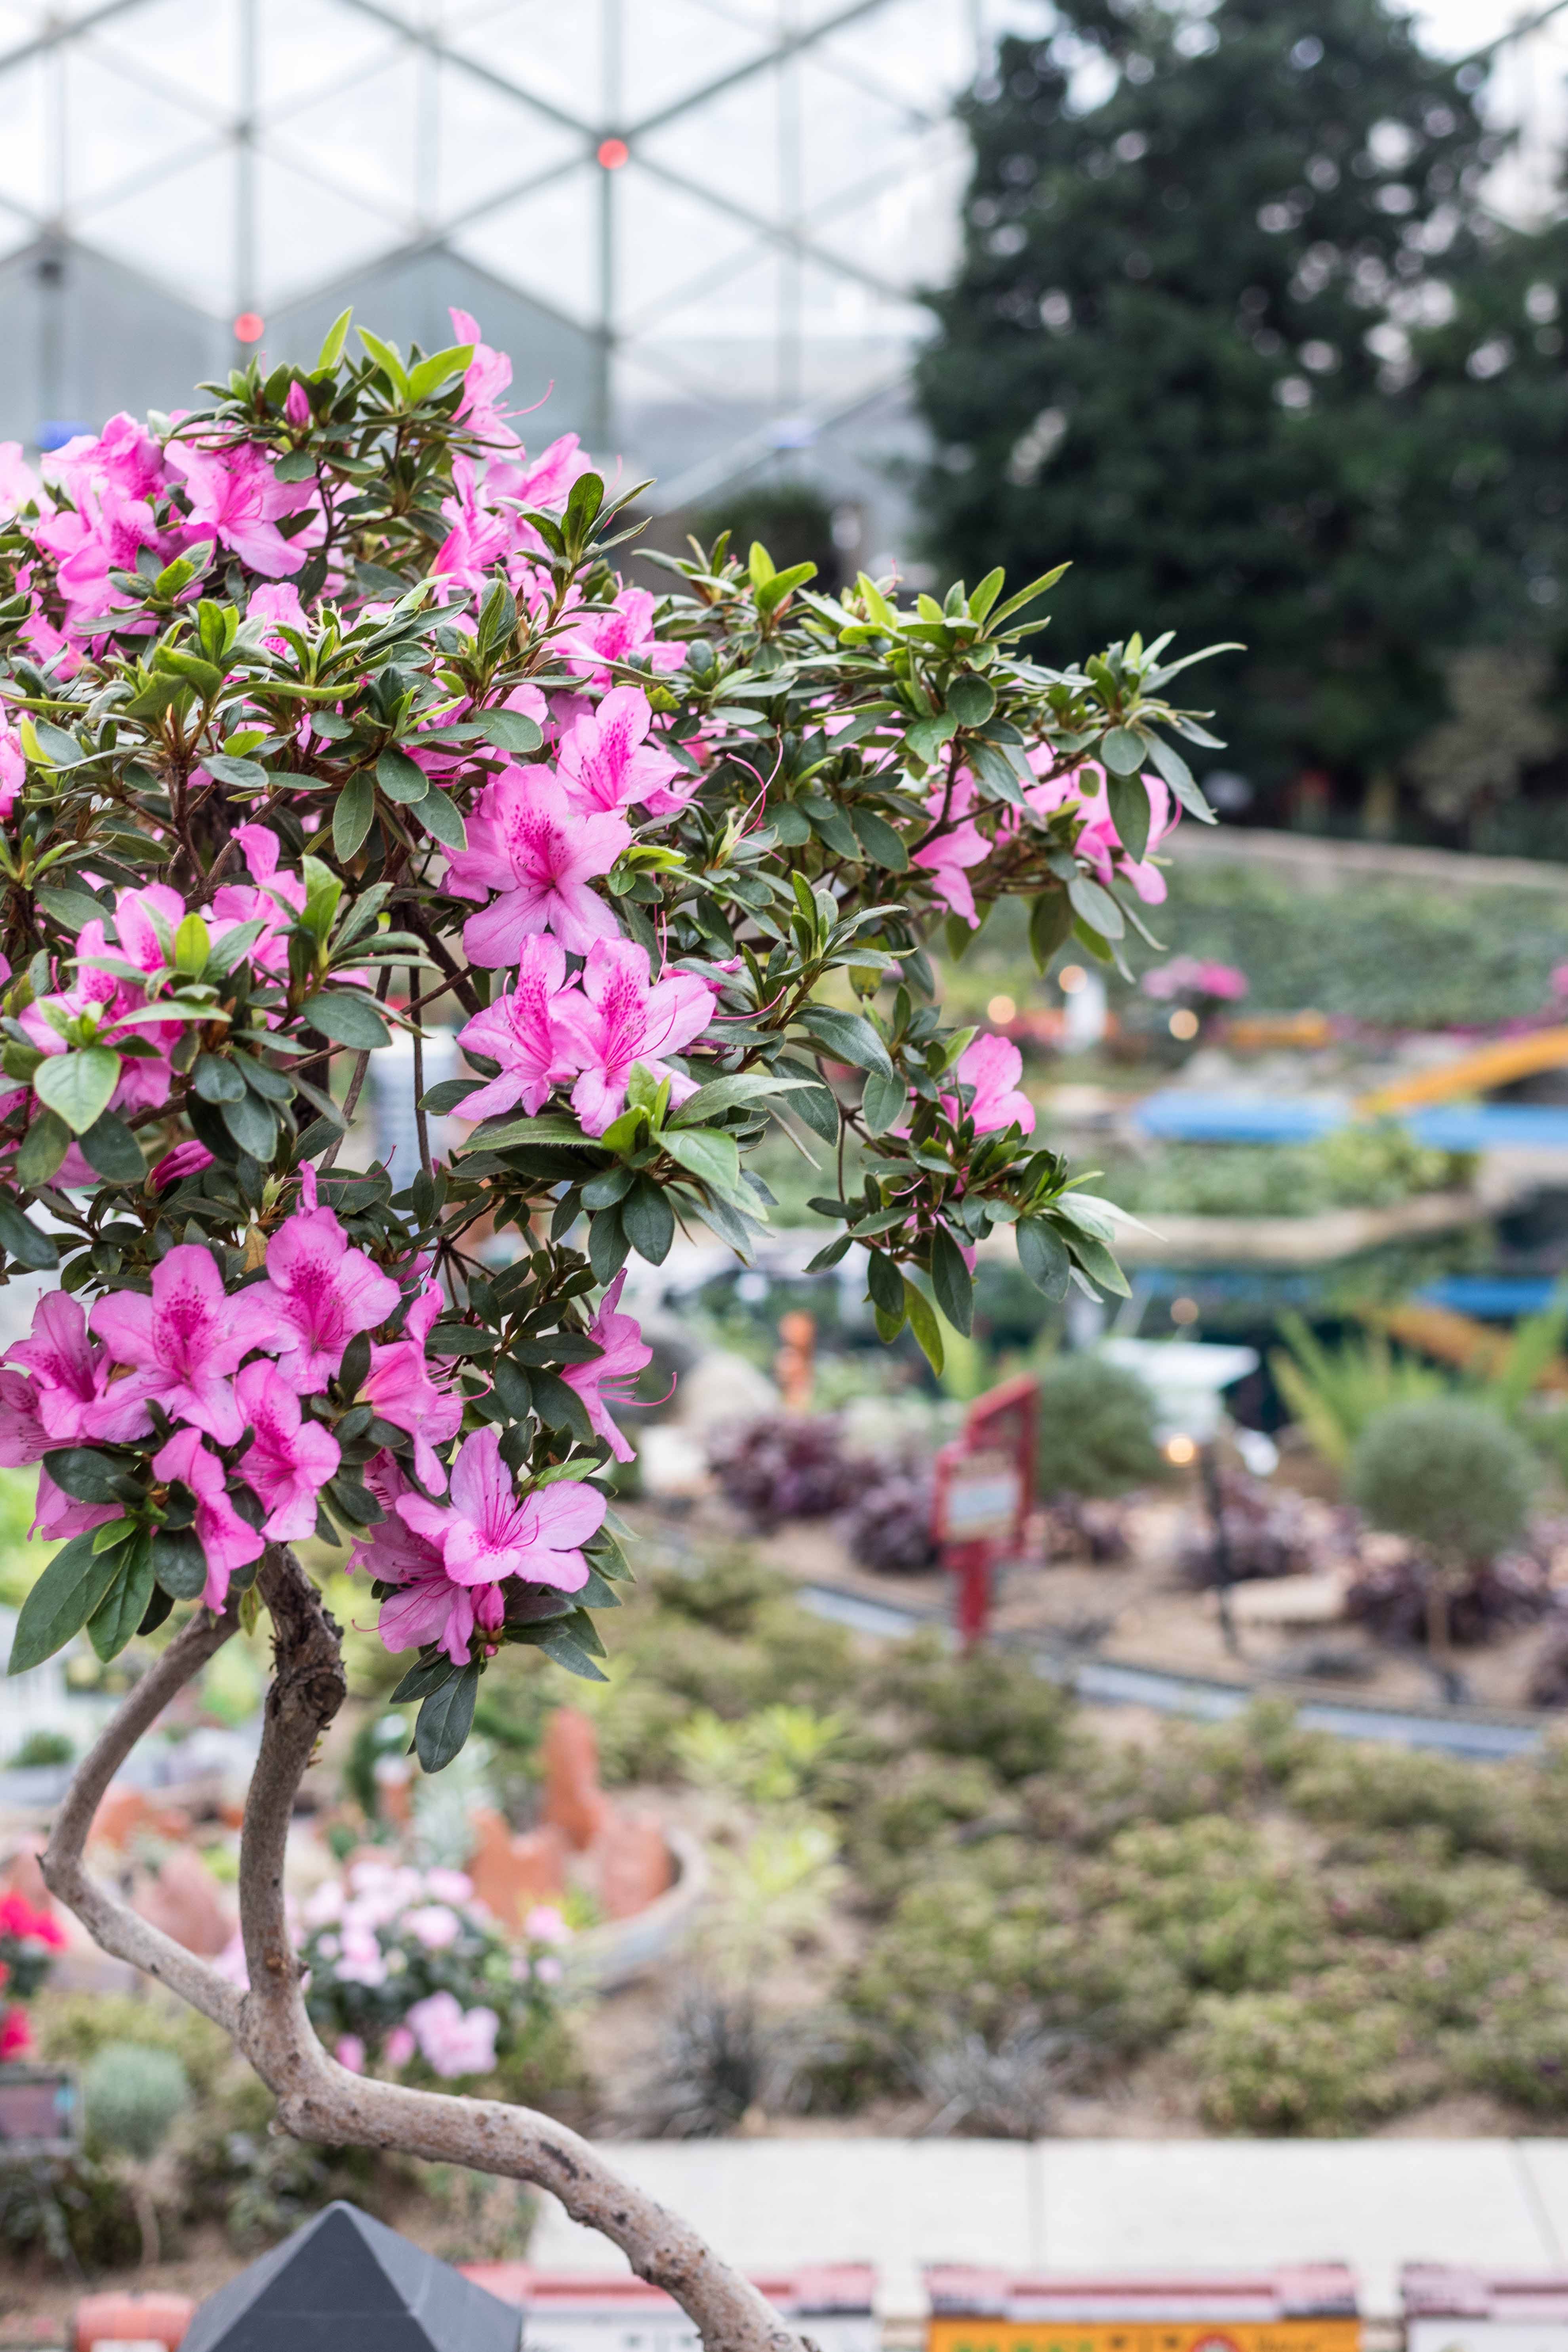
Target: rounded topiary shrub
(1451,1477)
(1096,1434)
(132,2093)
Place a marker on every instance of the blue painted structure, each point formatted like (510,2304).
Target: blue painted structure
(1175,1116)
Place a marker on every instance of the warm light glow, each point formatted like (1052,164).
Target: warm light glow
(1183,1023)
(1001,1010)
(613,153)
(249,327)
(1071,977)
(1181,1451)
(1184,1310)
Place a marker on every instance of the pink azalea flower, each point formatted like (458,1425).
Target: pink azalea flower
(992,1066)
(486,1533)
(183,1344)
(319,1293)
(125,457)
(950,856)
(105,532)
(12,767)
(399,2048)
(235,497)
(276,601)
(526,842)
(57,1516)
(227,1540)
(476,540)
(620,1019)
(619,632)
(297,407)
(454,2040)
(270,898)
(23,1437)
(428,1606)
(290,1459)
(19,483)
(436,1925)
(605,761)
(614,1373)
(542,481)
(486,377)
(522,1030)
(349,2050)
(185,1160)
(75,1399)
(400,1386)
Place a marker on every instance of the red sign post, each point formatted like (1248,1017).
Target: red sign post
(984,1493)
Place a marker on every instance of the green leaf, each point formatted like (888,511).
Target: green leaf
(432,373)
(952,1281)
(923,1324)
(1130,812)
(720,1095)
(1095,907)
(1097,1262)
(848,1036)
(445,1719)
(43,1146)
(881,845)
(84,1474)
(438,817)
(707,1152)
(245,775)
(179,1564)
(332,350)
(648,1222)
(1181,780)
(1043,1254)
(401,777)
(514,1134)
(76,1085)
(252,1125)
(347,1020)
(587,496)
(61,1601)
(830,824)
(884,1102)
(217,1080)
(1051,922)
(429,1674)
(111,1148)
(885,1284)
(69,908)
(386,358)
(970,700)
(559,1406)
(564,1649)
(115,1619)
(509,731)
(1124,752)
(353,814)
(24,1242)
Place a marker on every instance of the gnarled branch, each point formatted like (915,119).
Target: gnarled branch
(317,2099)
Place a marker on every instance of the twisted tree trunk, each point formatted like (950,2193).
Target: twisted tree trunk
(317,2099)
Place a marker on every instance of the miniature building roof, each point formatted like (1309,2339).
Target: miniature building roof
(1456,2291)
(813,2289)
(1296,2291)
(344,2282)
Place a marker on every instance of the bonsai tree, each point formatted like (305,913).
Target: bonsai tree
(1454,1478)
(325,707)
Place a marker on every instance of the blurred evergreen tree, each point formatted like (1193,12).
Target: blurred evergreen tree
(1238,336)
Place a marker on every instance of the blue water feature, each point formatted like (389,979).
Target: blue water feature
(1493,1297)
(1176,1115)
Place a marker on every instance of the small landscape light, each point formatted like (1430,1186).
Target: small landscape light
(249,327)
(1183,1022)
(1001,1010)
(1071,977)
(1184,1310)
(613,153)
(1181,1451)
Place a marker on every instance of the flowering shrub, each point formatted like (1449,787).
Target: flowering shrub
(28,1941)
(403,1964)
(330,685)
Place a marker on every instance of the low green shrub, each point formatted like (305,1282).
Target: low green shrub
(1207,1892)
(1450,1475)
(131,2094)
(1322,2059)
(1387,1788)
(991,1704)
(1095,1429)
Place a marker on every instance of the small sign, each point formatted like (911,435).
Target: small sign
(980,1499)
(39,2111)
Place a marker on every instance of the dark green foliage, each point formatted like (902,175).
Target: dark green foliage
(991,1704)
(794,522)
(1186,348)
(1096,1429)
(1450,1475)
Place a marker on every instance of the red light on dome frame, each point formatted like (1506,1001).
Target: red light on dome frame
(614,153)
(249,327)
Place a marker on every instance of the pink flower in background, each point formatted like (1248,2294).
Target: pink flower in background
(620,1019)
(522,1030)
(476,538)
(12,767)
(236,496)
(399,2048)
(992,1066)
(528,843)
(614,1373)
(436,1924)
(229,1541)
(605,761)
(276,601)
(125,457)
(290,1459)
(454,2040)
(185,1160)
(319,1293)
(486,1533)
(350,2052)
(400,1386)
(544,481)
(619,632)
(1191,975)
(950,855)
(19,483)
(486,377)
(183,1344)
(72,1377)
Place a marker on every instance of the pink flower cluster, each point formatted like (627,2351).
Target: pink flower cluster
(1194,976)
(961,846)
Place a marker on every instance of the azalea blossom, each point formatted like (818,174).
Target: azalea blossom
(58,1514)
(183,1344)
(527,843)
(13,766)
(290,1459)
(319,1293)
(476,538)
(229,1541)
(400,1386)
(522,1029)
(453,2039)
(544,481)
(125,457)
(277,600)
(428,1606)
(614,1373)
(185,1160)
(234,495)
(487,376)
(19,486)
(620,1019)
(74,1399)
(272,898)
(959,847)
(104,532)
(992,1066)
(605,761)
(485,1533)
(621,633)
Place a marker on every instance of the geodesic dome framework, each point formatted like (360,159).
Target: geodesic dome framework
(715,212)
